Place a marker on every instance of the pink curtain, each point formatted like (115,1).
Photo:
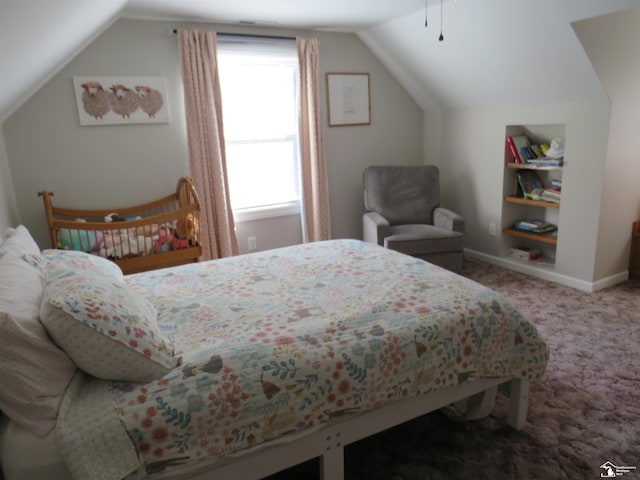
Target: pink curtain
(207,161)
(315,196)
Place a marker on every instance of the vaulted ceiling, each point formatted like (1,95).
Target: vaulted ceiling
(495,52)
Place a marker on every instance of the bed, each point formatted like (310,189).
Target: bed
(241,367)
(157,234)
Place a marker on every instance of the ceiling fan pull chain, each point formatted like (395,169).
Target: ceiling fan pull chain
(441,37)
(426,2)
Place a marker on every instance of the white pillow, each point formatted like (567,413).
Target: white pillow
(18,241)
(68,262)
(108,330)
(35,372)
(21,285)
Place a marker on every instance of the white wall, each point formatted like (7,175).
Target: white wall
(8,207)
(611,42)
(112,166)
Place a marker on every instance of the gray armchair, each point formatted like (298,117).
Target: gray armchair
(403,213)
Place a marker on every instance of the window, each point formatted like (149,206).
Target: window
(258,82)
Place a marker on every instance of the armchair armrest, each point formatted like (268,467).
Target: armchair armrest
(375,228)
(445,218)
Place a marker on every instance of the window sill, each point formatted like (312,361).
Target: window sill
(262,213)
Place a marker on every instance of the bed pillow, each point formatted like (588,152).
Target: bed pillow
(21,285)
(18,241)
(108,331)
(35,372)
(61,263)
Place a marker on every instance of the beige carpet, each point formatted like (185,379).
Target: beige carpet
(585,412)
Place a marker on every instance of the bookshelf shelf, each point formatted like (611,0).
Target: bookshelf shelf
(524,166)
(526,201)
(538,237)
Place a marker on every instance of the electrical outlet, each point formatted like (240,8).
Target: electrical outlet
(251,243)
(492,229)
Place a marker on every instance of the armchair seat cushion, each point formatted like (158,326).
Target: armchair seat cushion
(421,239)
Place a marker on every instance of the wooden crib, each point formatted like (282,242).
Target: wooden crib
(158,234)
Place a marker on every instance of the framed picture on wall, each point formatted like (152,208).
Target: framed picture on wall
(106,100)
(348,99)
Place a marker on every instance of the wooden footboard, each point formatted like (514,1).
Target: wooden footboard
(158,234)
(328,443)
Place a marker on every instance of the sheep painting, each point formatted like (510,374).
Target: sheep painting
(124,100)
(150,100)
(103,100)
(96,101)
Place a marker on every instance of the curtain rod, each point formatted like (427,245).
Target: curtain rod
(275,37)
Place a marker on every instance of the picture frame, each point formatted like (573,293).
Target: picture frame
(117,100)
(348,99)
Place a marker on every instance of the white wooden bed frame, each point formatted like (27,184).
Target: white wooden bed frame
(328,443)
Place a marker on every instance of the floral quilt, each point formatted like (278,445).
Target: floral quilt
(288,340)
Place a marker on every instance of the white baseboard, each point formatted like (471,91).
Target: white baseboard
(546,273)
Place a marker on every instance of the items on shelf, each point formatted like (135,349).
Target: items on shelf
(541,155)
(535,226)
(546,162)
(525,253)
(551,195)
(528,181)
(532,255)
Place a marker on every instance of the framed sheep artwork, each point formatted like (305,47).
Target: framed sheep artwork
(121,100)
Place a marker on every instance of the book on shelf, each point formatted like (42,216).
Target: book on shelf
(537,150)
(535,226)
(528,181)
(513,150)
(551,194)
(556,183)
(527,154)
(520,142)
(546,198)
(546,195)
(546,162)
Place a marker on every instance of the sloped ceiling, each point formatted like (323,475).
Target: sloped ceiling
(342,15)
(38,37)
(495,52)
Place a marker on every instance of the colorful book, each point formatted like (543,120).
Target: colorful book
(550,195)
(528,181)
(520,141)
(514,150)
(537,150)
(535,226)
(527,154)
